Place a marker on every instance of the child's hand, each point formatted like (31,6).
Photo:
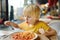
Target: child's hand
(7,23)
(41,31)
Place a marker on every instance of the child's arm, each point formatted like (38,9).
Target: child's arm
(14,25)
(8,23)
(50,32)
(47,30)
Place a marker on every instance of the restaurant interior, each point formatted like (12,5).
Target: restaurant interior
(11,10)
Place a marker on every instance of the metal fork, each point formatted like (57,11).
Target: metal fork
(4,36)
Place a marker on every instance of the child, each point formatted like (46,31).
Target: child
(32,14)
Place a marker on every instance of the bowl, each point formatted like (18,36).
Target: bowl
(24,35)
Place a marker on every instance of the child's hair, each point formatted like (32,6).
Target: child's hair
(32,10)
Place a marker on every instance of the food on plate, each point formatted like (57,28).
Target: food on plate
(23,36)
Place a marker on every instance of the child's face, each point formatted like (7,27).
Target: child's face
(30,20)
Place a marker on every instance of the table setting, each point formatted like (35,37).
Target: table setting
(8,35)
(4,34)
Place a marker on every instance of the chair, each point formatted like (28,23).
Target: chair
(56,25)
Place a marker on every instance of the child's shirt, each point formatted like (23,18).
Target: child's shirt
(34,28)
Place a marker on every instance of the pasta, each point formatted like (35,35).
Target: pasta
(23,36)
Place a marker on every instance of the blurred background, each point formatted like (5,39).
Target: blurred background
(11,10)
